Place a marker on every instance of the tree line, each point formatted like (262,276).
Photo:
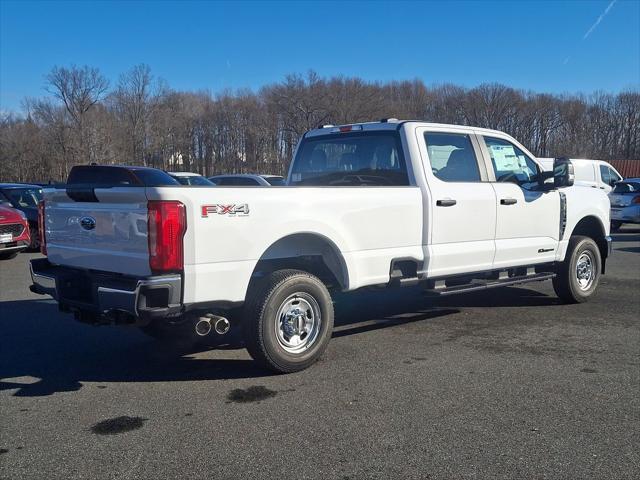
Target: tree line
(140,120)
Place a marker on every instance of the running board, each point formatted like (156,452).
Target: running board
(443,290)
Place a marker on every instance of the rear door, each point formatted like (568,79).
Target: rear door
(100,229)
(461,214)
(527,220)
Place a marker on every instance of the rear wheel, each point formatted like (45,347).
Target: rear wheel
(7,255)
(578,276)
(288,320)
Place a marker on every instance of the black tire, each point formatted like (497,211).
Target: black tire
(303,292)
(566,283)
(34,245)
(615,225)
(8,255)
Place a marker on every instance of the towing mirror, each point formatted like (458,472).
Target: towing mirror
(563,175)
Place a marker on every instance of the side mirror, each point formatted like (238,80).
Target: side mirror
(563,175)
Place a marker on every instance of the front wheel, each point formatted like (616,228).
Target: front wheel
(288,320)
(615,225)
(577,277)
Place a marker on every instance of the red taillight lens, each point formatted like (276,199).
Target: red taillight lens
(167,224)
(41,228)
(635,200)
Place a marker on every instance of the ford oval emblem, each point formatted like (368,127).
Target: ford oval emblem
(88,223)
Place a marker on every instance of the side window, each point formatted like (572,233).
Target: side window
(609,176)
(604,174)
(452,157)
(511,164)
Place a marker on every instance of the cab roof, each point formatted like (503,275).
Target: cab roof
(391,124)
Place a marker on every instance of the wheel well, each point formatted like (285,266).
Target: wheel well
(592,227)
(309,252)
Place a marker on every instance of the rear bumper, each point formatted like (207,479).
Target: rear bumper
(95,296)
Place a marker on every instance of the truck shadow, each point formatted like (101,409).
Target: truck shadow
(45,352)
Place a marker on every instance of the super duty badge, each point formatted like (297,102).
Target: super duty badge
(240,210)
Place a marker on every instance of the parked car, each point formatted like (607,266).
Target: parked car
(248,179)
(393,203)
(14,232)
(188,178)
(625,202)
(592,173)
(24,197)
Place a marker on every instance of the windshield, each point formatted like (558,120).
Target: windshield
(354,159)
(198,181)
(626,187)
(24,197)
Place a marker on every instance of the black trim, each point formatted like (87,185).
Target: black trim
(563,214)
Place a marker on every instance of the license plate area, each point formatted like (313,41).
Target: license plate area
(76,288)
(6,237)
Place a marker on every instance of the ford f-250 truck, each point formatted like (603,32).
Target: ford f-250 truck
(386,203)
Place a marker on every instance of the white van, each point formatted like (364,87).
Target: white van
(594,173)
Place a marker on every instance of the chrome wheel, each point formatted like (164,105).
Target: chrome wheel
(585,270)
(298,322)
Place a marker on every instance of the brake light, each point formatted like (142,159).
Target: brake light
(635,200)
(346,128)
(166,224)
(41,228)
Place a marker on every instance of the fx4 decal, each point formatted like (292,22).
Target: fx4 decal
(231,210)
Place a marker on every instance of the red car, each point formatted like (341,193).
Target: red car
(14,232)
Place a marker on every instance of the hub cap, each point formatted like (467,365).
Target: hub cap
(297,323)
(585,270)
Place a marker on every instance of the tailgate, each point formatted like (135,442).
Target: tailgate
(99,229)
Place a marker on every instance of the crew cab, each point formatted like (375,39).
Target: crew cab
(389,203)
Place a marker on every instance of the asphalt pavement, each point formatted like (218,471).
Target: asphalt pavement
(508,383)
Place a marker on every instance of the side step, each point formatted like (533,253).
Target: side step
(441,289)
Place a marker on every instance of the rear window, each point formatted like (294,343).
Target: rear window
(626,187)
(276,181)
(24,197)
(354,159)
(95,175)
(235,181)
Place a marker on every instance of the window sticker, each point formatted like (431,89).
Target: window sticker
(505,158)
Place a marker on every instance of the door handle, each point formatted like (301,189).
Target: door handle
(447,202)
(508,201)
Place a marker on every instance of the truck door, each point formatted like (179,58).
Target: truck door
(528,219)
(460,211)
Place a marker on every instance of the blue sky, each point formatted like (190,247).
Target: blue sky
(544,46)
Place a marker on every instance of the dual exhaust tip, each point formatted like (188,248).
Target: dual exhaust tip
(220,325)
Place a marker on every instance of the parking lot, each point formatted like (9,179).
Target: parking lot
(507,383)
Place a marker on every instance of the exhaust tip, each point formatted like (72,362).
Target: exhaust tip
(203,327)
(222,326)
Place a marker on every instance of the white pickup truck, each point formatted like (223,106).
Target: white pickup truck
(386,203)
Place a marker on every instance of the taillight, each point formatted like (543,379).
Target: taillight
(41,228)
(635,200)
(167,224)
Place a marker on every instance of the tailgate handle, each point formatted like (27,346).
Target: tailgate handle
(508,201)
(447,202)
